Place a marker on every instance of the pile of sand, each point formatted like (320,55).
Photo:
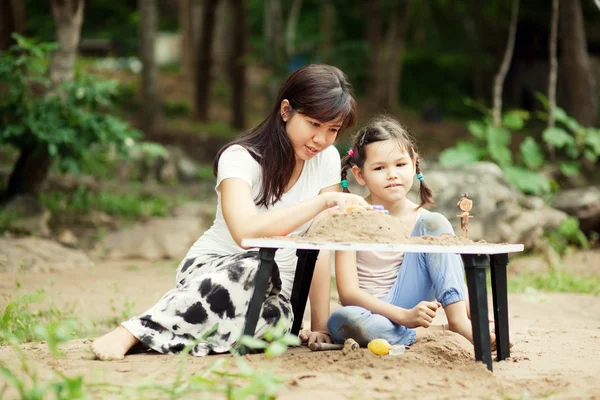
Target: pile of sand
(372,227)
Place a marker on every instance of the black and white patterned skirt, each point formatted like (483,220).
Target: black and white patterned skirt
(210,290)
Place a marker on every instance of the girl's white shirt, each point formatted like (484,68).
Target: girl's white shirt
(377,271)
(320,172)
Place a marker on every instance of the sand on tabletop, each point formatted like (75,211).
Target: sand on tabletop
(373,227)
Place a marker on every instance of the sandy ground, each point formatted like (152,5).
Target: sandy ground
(557,345)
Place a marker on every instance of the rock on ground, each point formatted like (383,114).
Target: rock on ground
(39,255)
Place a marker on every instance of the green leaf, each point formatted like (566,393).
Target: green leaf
(570,168)
(498,135)
(592,140)
(590,155)
(560,115)
(275,349)
(515,120)
(463,153)
(290,340)
(569,227)
(252,343)
(498,141)
(558,137)
(532,153)
(527,181)
(477,129)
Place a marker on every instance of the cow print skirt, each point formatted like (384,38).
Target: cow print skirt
(211,290)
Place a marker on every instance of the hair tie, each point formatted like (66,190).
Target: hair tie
(351,153)
(344,184)
(420,177)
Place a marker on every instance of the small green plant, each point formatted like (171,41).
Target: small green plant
(123,311)
(276,341)
(570,142)
(555,281)
(128,205)
(59,121)
(20,324)
(566,235)
(232,377)
(492,143)
(574,141)
(26,381)
(6,220)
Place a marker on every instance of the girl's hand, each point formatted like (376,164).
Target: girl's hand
(343,200)
(421,315)
(309,337)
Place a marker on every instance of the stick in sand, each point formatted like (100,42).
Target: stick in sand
(349,345)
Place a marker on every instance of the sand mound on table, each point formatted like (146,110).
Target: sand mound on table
(372,227)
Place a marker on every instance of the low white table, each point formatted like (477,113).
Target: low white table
(476,258)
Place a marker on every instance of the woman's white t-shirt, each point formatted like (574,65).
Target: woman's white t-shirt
(322,171)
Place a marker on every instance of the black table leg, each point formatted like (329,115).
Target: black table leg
(261,282)
(302,281)
(475,268)
(499,294)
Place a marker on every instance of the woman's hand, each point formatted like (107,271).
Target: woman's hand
(344,200)
(309,337)
(420,315)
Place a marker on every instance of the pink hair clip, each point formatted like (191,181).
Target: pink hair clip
(351,153)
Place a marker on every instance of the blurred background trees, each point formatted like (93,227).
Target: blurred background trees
(198,72)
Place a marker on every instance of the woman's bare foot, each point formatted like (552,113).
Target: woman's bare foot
(114,345)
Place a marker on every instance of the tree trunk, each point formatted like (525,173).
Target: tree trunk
(274,47)
(395,51)
(29,173)
(151,109)
(204,60)
(374,36)
(475,27)
(326,27)
(579,81)
(187,40)
(31,169)
(68,17)
(224,32)
(12,20)
(553,63)
(508,53)
(290,29)
(237,65)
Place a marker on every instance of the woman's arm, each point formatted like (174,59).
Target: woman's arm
(320,288)
(243,220)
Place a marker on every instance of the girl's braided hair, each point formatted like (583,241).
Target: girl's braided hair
(380,129)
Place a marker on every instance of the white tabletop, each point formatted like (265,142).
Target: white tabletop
(406,248)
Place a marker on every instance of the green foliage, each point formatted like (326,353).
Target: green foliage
(127,205)
(568,234)
(26,380)
(65,119)
(21,325)
(570,142)
(275,343)
(555,281)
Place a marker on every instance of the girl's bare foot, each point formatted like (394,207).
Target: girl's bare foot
(114,345)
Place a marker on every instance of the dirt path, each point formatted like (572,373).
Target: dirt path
(557,342)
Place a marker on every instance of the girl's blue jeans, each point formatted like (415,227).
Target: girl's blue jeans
(422,277)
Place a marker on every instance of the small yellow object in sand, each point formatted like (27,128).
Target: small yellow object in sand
(379,346)
(355,208)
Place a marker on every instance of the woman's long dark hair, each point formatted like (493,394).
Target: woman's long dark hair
(319,91)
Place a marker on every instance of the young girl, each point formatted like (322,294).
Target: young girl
(272,181)
(387,295)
